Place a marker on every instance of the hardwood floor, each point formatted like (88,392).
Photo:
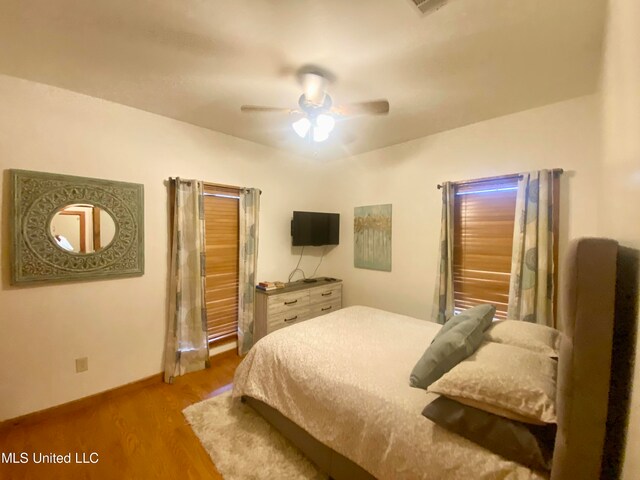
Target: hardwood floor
(138,435)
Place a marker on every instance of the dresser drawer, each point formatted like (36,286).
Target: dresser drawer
(325,307)
(296,303)
(324,294)
(283,319)
(287,301)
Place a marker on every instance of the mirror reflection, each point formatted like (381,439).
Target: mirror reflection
(82,228)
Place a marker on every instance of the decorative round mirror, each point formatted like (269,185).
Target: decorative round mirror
(73,228)
(82,228)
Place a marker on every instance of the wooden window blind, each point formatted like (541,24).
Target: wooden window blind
(221,243)
(484,214)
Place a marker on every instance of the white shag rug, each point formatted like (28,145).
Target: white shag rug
(243,446)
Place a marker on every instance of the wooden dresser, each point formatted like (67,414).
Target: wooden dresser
(297,302)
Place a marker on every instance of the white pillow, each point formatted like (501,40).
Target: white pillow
(504,380)
(532,336)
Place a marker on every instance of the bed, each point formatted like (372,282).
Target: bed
(337,386)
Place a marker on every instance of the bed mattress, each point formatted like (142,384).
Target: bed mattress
(344,378)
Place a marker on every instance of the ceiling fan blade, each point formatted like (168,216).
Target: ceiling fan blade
(373,107)
(259,108)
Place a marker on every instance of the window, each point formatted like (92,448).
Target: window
(484,212)
(221,247)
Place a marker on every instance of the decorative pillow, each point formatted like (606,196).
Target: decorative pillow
(506,380)
(483,312)
(532,336)
(452,346)
(529,445)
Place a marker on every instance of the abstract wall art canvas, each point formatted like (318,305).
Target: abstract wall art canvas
(372,237)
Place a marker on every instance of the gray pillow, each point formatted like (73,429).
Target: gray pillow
(529,445)
(457,339)
(479,311)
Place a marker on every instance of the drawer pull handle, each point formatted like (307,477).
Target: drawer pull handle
(327,308)
(292,302)
(326,294)
(290,319)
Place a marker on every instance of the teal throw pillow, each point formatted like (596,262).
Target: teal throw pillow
(458,338)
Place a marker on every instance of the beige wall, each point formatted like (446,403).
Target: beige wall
(620,192)
(120,323)
(565,134)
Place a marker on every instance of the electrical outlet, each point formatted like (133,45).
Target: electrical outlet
(82,364)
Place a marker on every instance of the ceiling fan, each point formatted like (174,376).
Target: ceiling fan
(316,106)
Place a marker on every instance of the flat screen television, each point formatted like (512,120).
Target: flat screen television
(315,228)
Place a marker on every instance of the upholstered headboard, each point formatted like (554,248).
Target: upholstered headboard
(587,323)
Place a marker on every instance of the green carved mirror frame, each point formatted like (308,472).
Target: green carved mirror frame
(39,257)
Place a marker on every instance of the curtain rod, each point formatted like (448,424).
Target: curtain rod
(228,186)
(223,186)
(554,171)
(220,185)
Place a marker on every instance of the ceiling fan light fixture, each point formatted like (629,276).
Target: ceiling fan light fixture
(314,86)
(315,105)
(325,122)
(301,127)
(320,134)
(318,128)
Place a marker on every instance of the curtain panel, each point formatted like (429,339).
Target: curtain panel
(247,265)
(532,270)
(443,298)
(187,347)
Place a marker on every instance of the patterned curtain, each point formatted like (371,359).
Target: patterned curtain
(248,252)
(187,346)
(531,286)
(443,300)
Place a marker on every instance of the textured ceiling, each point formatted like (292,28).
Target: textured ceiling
(198,61)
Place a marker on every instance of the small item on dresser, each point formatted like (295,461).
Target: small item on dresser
(267,286)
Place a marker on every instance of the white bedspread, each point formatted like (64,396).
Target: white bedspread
(344,378)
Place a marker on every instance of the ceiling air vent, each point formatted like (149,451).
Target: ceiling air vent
(429,6)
